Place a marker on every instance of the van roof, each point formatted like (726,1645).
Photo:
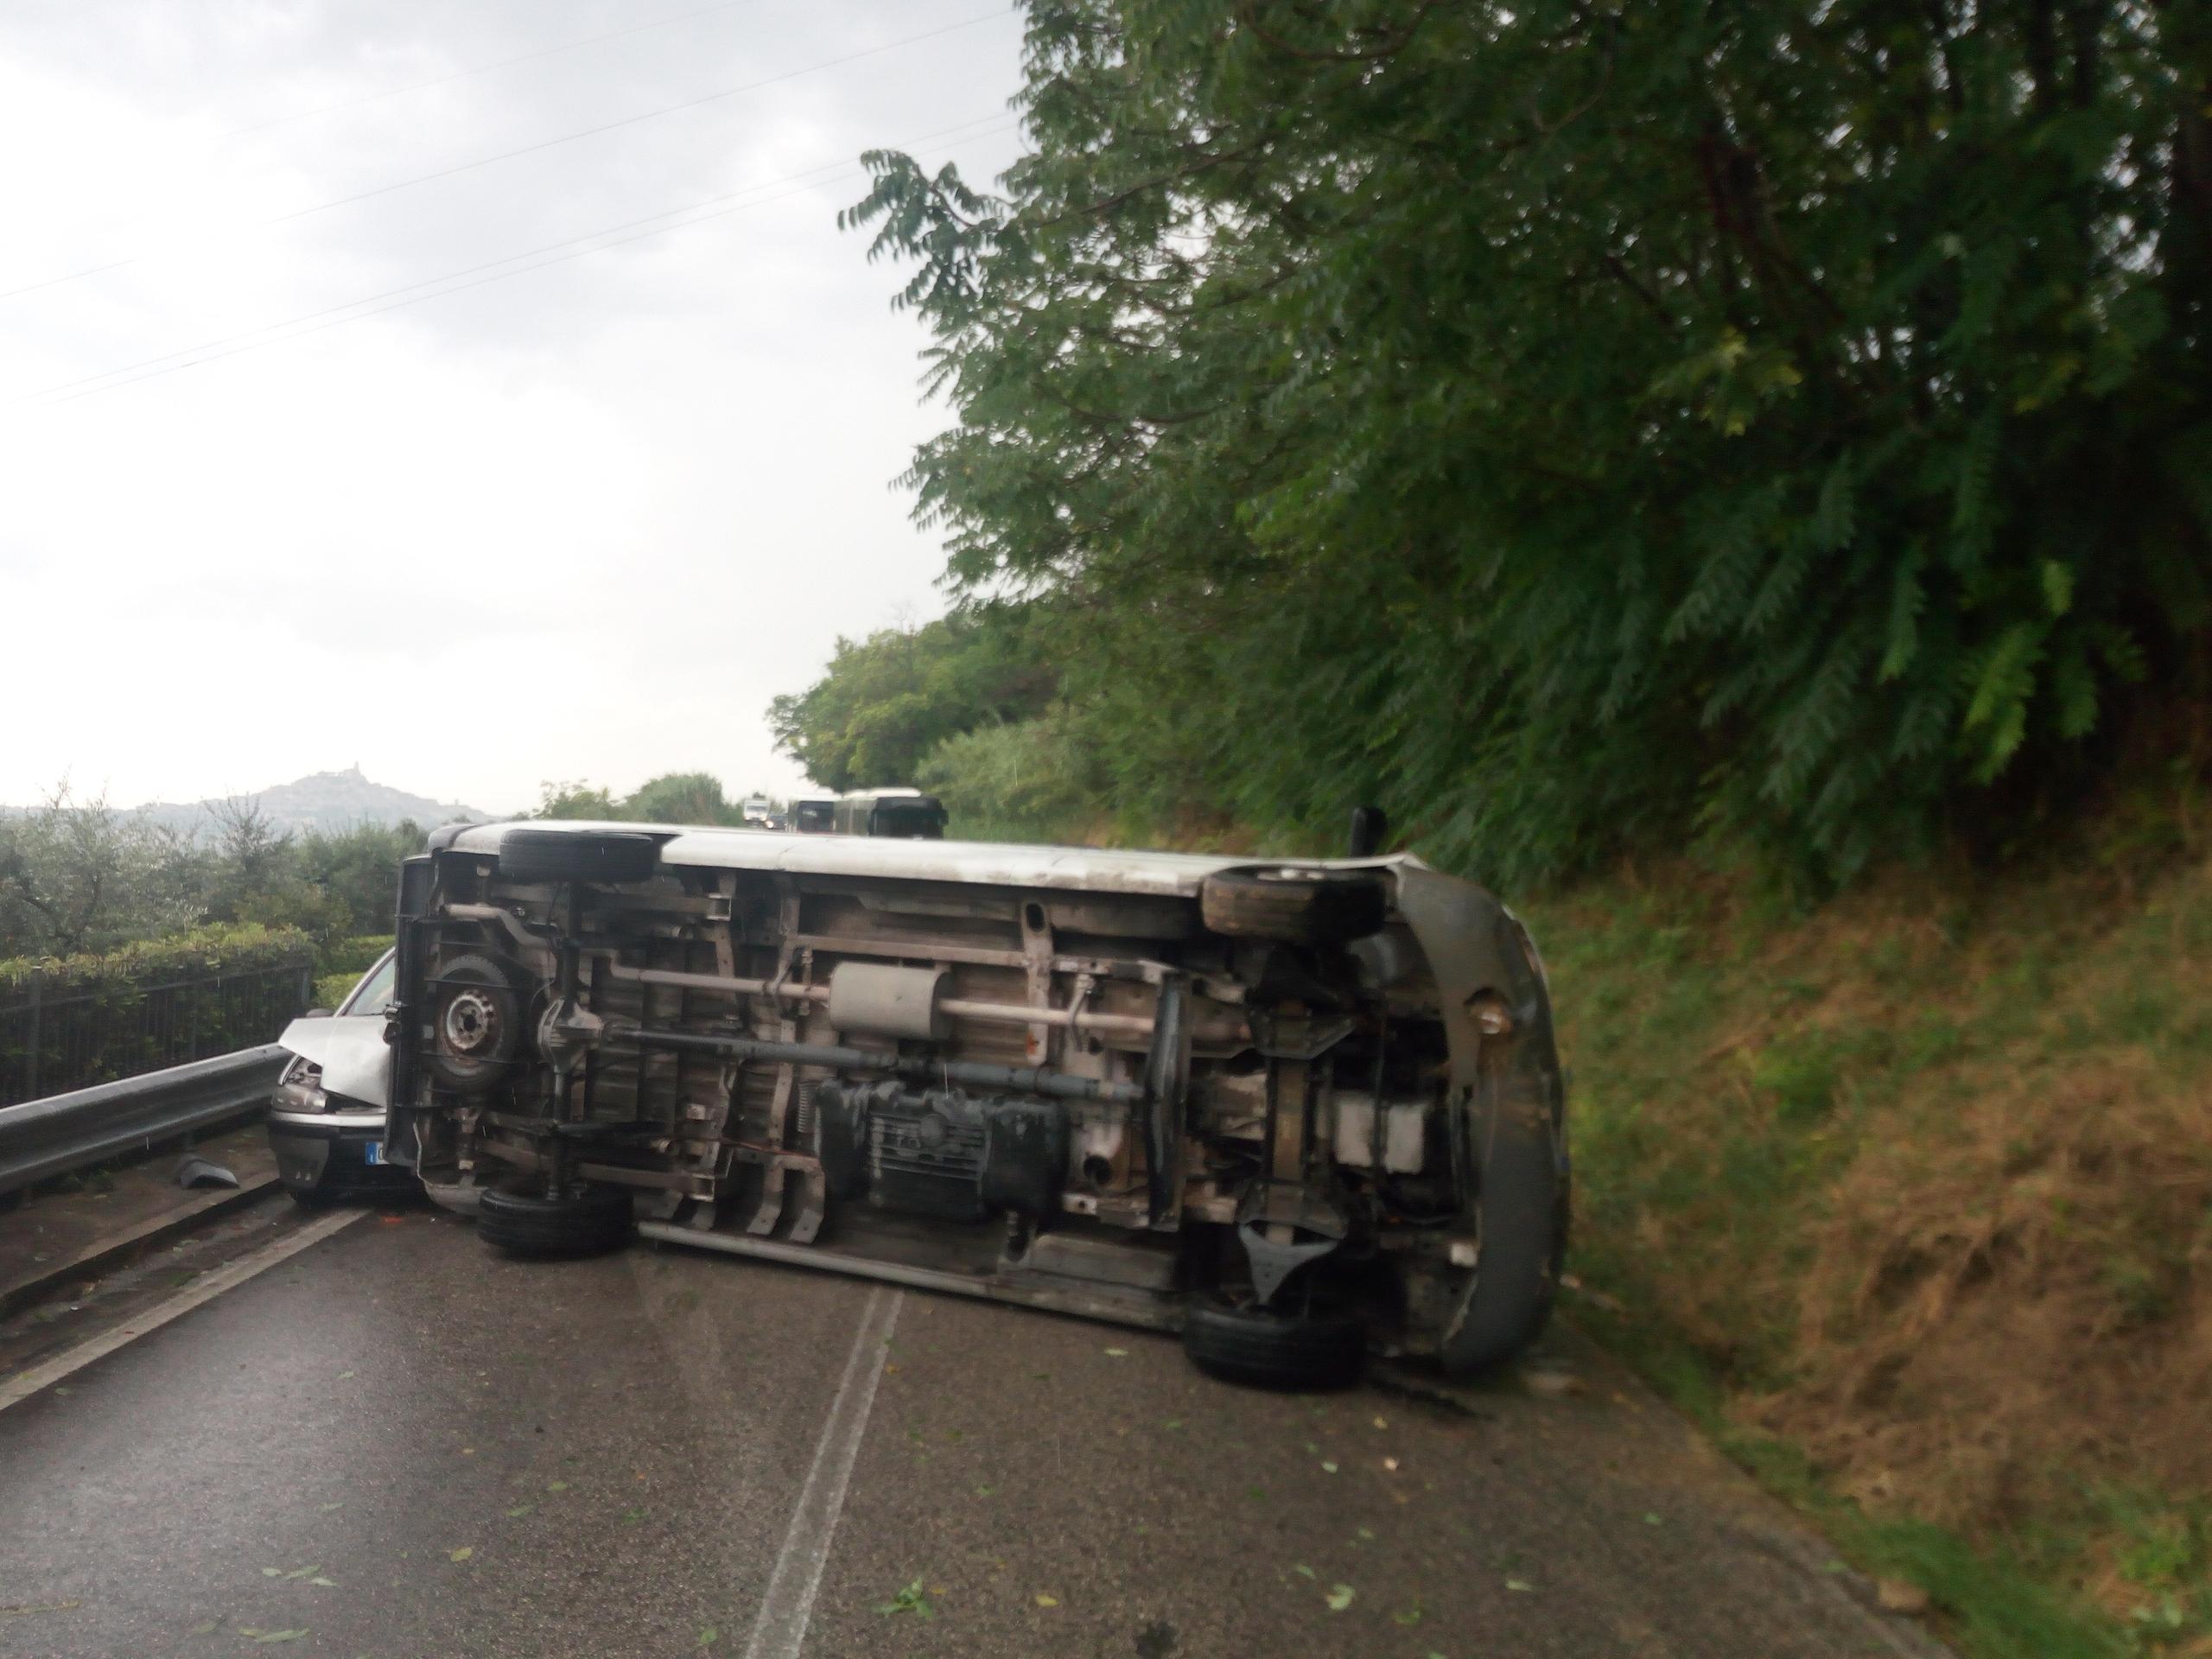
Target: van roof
(1079,868)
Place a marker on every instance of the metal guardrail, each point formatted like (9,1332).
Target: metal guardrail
(41,1139)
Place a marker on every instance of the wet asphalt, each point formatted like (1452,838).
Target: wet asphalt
(394,1443)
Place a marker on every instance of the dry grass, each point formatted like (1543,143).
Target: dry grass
(1925,1178)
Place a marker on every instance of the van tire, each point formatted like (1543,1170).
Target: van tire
(1263,1348)
(1296,904)
(586,1221)
(554,855)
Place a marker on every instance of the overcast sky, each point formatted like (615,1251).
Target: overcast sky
(580,521)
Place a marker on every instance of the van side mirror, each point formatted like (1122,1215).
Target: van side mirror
(1370,828)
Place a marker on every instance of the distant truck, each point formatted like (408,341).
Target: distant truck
(756,812)
(904,814)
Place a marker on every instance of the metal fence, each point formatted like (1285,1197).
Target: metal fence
(53,1041)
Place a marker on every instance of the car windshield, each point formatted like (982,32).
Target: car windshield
(374,991)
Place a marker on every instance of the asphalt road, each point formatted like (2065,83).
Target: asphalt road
(393,1443)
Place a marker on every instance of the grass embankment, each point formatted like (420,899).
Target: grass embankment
(1909,1200)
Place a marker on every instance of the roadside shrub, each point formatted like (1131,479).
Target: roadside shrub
(1021,782)
(66,1022)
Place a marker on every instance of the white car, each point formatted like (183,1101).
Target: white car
(328,1142)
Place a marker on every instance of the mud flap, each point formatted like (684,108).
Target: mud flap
(1511,1133)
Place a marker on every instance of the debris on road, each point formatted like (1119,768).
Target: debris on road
(1900,1596)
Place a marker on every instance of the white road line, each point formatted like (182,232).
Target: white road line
(779,1629)
(20,1386)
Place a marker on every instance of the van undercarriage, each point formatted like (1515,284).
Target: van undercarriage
(1297,1111)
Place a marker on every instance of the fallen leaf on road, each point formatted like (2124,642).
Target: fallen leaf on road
(1172,1424)
(1117,1353)
(1522,1585)
(272,1572)
(519,1511)
(1408,1616)
(1553,1385)
(206,1627)
(889,1368)
(324,1509)
(460,1554)
(708,1636)
(1328,1468)
(1340,1597)
(1391,1463)
(326,1584)
(909,1601)
(1368,1534)
(1896,1596)
(304,1572)
(1305,1572)
(1651,1520)
(342,1376)
(1380,1423)
(1044,1600)
(557,1486)
(12,1608)
(985,1491)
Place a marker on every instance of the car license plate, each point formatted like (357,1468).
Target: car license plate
(374,1153)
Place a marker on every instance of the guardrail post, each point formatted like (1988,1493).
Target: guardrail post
(30,1049)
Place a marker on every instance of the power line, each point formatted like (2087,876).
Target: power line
(69,392)
(483,69)
(548,143)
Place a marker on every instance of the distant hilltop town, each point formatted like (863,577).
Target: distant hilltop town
(321,800)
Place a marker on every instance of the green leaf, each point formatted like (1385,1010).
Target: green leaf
(2057,588)
(1339,1597)
(911,1600)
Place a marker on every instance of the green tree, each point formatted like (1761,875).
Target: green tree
(1027,781)
(360,867)
(681,798)
(575,800)
(80,876)
(887,701)
(1565,423)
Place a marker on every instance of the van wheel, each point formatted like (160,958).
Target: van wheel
(1295,904)
(1269,1349)
(552,856)
(584,1221)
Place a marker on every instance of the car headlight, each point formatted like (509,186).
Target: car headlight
(300,1089)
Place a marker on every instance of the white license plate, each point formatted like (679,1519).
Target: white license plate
(374,1153)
